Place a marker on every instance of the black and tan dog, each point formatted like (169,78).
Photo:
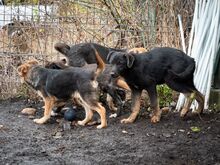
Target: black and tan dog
(115,93)
(81,54)
(158,66)
(60,86)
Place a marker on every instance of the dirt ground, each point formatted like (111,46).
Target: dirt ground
(172,141)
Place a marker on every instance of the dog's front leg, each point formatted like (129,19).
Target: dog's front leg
(136,97)
(49,103)
(154,104)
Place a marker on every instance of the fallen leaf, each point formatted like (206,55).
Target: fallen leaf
(195,129)
(28,111)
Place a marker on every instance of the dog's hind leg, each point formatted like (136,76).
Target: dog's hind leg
(88,117)
(81,101)
(189,98)
(136,100)
(113,93)
(154,104)
(110,103)
(187,104)
(200,99)
(102,113)
(187,87)
(49,104)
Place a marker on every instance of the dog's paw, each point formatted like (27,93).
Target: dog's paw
(126,121)
(183,112)
(40,121)
(155,119)
(82,123)
(101,126)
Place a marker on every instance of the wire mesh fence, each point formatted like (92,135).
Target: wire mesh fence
(30,29)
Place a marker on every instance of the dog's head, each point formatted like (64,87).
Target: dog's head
(24,68)
(121,61)
(61,64)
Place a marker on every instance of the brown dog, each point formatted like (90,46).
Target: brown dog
(61,86)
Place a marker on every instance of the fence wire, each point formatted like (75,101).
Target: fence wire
(30,29)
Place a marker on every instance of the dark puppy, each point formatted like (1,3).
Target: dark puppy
(81,54)
(56,86)
(158,66)
(114,92)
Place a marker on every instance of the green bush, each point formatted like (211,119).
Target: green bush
(164,95)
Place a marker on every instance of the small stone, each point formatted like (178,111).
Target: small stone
(29,111)
(114,115)
(58,135)
(167,135)
(123,131)
(1,126)
(181,130)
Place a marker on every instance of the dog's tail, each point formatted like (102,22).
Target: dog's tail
(62,48)
(100,63)
(186,74)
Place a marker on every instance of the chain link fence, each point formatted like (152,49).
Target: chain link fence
(30,29)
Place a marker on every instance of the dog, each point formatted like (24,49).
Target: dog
(57,87)
(115,93)
(81,54)
(158,66)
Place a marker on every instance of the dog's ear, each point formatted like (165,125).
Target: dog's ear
(110,56)
(22,70)
(130,59)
